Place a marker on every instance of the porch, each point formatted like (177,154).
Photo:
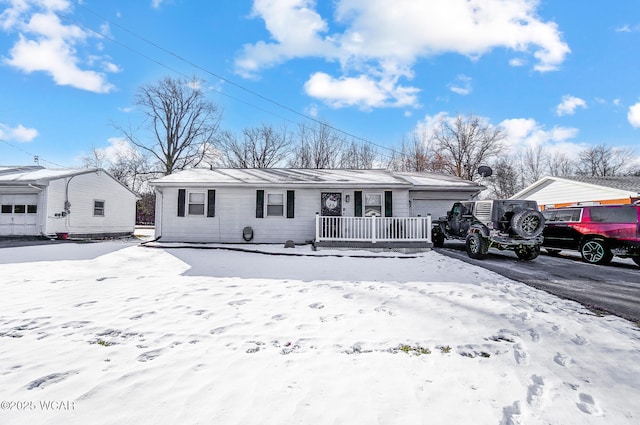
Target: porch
(406,234)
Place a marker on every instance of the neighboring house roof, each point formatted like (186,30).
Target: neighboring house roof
(569,189)
(39,176)
(627,183)
(311,177)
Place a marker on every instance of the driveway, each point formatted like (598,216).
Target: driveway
(612,289)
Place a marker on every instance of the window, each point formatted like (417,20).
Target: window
(7,209)
(19,209)
(569,214)
(98,208)
(275,204)
(196,203)
(32,209)
(614,214)
(372,204)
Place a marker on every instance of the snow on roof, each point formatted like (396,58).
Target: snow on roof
(311,177)
(37,174)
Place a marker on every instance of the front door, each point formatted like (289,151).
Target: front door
(331,204)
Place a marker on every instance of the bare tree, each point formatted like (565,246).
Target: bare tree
(95,159)
(181,121)
(358,157)
(465,143)
(505,180)
(559,164)
(417,155)
(602,161)
(320,146)
(534,164)
(260,147)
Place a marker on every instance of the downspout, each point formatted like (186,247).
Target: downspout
(40,215)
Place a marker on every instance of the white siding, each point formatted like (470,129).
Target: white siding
(557,192)
(236,208)
(83,190)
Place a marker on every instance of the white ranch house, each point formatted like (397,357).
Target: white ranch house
(86,203)
(324,207)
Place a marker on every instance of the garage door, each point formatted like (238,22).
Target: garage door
(437,208)
(19,215)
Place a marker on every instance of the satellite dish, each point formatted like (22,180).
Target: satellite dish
(485,171)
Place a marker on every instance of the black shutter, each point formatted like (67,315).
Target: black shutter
(259,203)
(182,196)
(357,203)
(211,203)
(388,203)
(291,197)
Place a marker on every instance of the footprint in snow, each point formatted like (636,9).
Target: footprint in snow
(512,415)
(53,378)
(536,391)
(239,302)
(563,360)
(588,405)
(317,306)
(579,340)
(521,355)
(149,355)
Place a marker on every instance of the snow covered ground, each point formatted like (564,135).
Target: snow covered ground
(120,333)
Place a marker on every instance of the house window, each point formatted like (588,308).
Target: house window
(372,204)
(98,208)
(196,203)
(275,204)
(19,209)
(7,209)
(32,209)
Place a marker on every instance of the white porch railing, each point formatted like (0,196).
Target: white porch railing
(373,229)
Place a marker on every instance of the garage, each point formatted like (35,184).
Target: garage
(19,214)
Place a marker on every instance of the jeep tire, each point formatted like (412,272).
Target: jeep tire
(437,239)
(477,247)
(527,224)
(527,252)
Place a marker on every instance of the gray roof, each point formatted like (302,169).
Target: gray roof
(312,177)
(631,183)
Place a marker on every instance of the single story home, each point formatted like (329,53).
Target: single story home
(89,202)
(554,192)
(275,205)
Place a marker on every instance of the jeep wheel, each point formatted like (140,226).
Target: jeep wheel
(477,247)
(595,251)
(528,223)
(438,239)
(527,252)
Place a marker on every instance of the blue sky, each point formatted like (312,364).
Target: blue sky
(559,74)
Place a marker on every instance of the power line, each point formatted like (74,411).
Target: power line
(36,158)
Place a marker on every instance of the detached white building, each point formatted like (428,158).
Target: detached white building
(553,192)
(35,201)
(276,205)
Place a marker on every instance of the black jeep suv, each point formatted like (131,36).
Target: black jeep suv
(598,232)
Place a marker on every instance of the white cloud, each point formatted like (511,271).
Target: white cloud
(525,133)
(17,134)
(45,44)
(462,85)
(634,115)
(569,105)
(383,40)
(361,91)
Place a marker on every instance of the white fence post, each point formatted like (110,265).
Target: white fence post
(317,227)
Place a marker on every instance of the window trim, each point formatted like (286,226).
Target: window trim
(282,205)
(365,204)
(189,203)
(96,208)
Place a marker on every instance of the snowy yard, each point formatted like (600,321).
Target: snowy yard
(119,333)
